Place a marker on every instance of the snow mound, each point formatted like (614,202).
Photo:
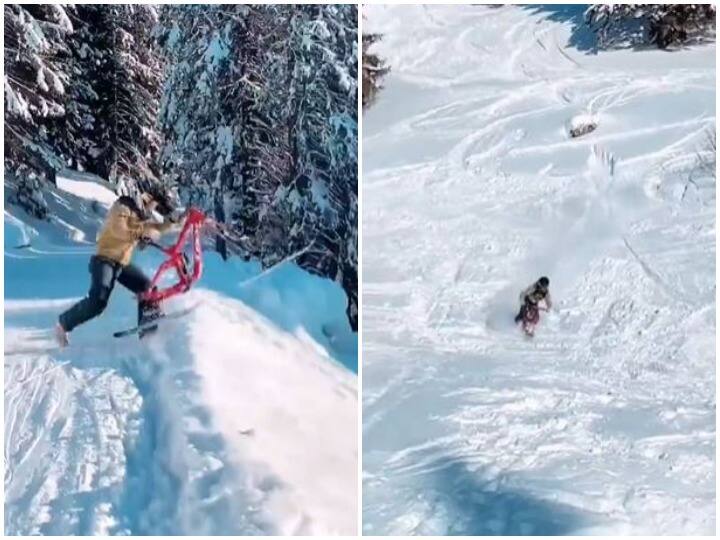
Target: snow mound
(304,455)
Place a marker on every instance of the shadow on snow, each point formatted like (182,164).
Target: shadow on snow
(581,37)
(481,508)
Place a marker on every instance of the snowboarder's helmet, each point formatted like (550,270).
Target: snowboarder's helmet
(544,282)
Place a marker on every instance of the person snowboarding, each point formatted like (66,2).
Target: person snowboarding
(128,224)
(531,299)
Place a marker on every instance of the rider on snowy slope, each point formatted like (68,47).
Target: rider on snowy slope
(530,300)
(128,223)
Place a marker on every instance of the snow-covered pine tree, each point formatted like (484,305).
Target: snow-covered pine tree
(256,197)
(201,117)
(82,88)
(660,24)
(128,85)
(188,104)
(75,134)
(324,139)
(259,116)
(36,75)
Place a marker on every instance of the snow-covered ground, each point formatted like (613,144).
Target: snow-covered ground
(604,423)
(240,418)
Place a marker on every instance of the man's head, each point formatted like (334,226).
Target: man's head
(155,198)
(544,282)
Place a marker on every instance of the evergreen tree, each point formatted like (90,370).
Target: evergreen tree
(660,24)
(36,75)
(128,85)
(324,139)
(259,118)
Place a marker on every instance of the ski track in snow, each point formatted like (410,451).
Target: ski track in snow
(472,188)
(96,449)
(210,427)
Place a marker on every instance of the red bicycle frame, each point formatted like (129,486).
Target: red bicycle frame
(176,260)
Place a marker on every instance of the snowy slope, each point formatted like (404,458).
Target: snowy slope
(472,188)
(237,419)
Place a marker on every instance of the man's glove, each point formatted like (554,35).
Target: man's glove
(148,236)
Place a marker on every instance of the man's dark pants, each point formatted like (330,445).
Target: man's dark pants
(104,273)
(528,310)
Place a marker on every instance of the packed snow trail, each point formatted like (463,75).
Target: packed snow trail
(231,420)
(604,423)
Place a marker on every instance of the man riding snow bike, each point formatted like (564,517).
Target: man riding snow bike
(532,299)
(128,224)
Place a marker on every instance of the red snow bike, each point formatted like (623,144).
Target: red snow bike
(530,317)
(177,260)
(188,272)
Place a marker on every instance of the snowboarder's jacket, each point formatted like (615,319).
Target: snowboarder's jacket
(535,294)
(125,225)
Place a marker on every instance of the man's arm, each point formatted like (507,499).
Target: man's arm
(171,223)
(151,229)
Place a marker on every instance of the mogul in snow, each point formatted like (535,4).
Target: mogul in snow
(532,300)
(129,223)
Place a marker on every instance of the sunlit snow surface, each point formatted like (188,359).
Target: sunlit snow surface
(240,418)
(472,188)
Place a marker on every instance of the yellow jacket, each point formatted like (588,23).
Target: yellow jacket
(123,229)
